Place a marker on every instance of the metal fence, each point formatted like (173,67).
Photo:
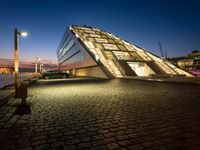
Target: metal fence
(9,79)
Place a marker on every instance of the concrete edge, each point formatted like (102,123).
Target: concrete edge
(164,81)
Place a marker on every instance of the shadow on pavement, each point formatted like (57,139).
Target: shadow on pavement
(23,110)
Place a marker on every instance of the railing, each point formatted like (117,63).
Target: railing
(177,69)
(9,79)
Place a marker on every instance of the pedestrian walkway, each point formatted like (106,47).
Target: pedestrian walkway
(114,114)
(5,94)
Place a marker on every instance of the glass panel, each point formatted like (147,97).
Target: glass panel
(104,36)
(61,52)
(95,35)
(121,47)
(109,55)
(101,40)
(122,55)
(91,39)
(130,48)
(78,58)
(99,45)
(72,51)
(118,42)
(85,35)
(111,41)
(89,31)
(135,56)
(144,56)
(110,47)
(141,68)
(69,45)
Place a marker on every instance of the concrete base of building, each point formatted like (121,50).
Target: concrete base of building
(95,71)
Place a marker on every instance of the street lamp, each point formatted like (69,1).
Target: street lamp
(41,65)
(17,34)
(23,34)
(37,60)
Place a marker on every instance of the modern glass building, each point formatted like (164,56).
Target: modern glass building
(88,51)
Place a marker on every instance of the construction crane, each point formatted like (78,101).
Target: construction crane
(161,50)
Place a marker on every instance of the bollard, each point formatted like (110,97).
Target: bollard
(22,91)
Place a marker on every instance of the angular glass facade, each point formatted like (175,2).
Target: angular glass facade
(88,49)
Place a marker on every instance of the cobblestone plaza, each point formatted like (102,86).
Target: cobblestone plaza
(104,114)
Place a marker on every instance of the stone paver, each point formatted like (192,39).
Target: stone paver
(100,114)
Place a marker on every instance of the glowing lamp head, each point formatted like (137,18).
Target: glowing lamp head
(23,34)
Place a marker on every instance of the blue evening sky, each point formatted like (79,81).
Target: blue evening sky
(176,23)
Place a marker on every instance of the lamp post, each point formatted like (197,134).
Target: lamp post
(17,34)
(41,67)
(37,60)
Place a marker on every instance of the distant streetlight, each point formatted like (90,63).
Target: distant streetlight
(41,65)
(17,34)
(37,60)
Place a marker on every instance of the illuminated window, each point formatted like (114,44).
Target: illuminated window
(141,68)
(130,48)
(85,35)
(91,39)
(122,55)
(121,47)
(95,35)
(135,56)
(110,47)
(119,42)
(144,56)
(78,30)
(104,36)
(101,40)
(111,41)
(83,28)
(89,31)
(109,55)
(99,45)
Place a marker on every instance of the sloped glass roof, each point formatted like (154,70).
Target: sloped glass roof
(110,49)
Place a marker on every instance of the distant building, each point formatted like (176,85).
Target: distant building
(190,63)
(6,70)
(7,66)
(88,51)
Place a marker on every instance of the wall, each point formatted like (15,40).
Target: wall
(91,72)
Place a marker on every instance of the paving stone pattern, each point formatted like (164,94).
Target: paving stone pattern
(104,115)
